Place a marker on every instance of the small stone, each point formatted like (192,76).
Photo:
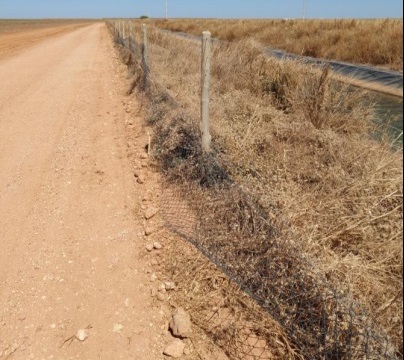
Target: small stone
(149,247)
(141,179)
(81,335)
(154,262)
(151,212)
(136,173)
(169,285)
(157,245)
(175,349)
(187,351)
(180,324)
(153,292)
(161,296)
(149,230)
(117,328)
(143,156)
(153,277)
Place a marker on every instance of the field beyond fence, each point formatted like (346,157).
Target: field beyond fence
(296,202)
(18,25)
(16,35)
(377,42)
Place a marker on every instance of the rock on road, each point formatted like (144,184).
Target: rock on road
(68,258)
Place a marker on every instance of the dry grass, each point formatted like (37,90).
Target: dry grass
(300,146)
(221,309)
(376,42)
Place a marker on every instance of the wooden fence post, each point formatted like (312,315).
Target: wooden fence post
(205,85)
(145,57)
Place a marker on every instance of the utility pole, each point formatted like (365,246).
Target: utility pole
(166,9)
(304,9)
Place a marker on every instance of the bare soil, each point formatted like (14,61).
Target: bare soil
(72,236)
(15,37)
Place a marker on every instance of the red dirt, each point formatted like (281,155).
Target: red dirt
(13,42)
(71,247)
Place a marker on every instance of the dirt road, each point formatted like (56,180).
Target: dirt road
(70,254)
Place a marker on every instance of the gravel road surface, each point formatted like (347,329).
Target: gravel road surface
(69,256)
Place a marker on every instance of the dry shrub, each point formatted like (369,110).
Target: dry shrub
(222,310)
(300,146)
(328,106)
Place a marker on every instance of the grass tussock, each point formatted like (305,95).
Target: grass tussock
(375,42)
(301,147)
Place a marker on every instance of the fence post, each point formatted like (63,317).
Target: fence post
(205,85)
(145,57)
(123,33)
(130,36)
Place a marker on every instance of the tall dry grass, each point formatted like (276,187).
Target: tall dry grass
(302,147)
(375,42)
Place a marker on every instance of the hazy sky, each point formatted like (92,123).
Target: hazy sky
(201,8)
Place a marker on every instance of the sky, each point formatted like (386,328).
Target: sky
(201,8)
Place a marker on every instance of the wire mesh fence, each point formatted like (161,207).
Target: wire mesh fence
(257,250)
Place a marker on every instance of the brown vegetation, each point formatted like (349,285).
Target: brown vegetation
(374,42)
(301,146)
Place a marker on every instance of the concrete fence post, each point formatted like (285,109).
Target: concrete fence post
(123,33)
(130,41)
(145,56)
(205,89)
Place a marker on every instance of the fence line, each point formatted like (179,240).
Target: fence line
(334,337)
